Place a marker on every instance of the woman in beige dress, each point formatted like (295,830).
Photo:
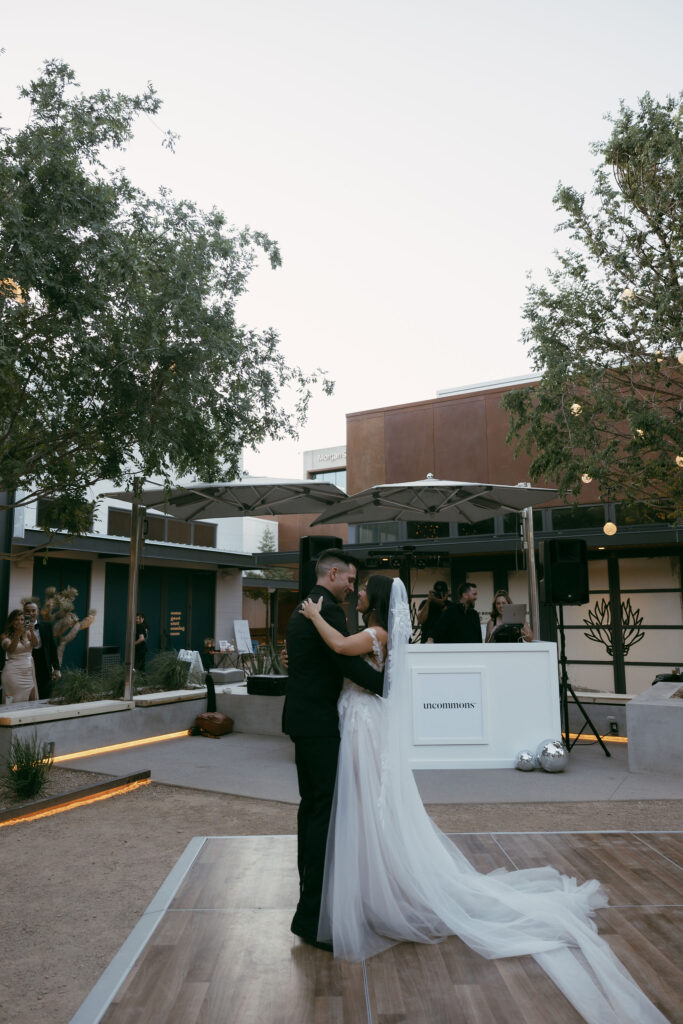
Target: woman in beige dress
(19,674)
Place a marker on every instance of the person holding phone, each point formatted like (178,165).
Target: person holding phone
(18,675)
(431,610)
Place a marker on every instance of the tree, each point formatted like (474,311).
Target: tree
(121,356)
(606,328)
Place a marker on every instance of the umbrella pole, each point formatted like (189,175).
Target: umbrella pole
(136,521)
(528,531)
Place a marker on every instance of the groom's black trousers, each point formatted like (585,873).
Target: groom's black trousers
(316,766)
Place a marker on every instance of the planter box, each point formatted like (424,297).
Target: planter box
(655,730)
(88,726)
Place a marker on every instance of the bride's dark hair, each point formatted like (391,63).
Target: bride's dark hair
(378,590)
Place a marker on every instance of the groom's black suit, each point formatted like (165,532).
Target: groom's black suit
(310,717)
(45,659)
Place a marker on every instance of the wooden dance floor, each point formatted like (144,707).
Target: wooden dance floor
(215,947)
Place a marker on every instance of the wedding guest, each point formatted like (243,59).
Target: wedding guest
(432,608)
(460,624)
(141,634)
(45,656)
(18,675)
(500,599)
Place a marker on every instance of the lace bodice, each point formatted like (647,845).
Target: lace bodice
(376,657)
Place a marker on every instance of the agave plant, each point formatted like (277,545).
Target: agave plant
(25,772)
(265,661)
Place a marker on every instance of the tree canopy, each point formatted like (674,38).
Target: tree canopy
(121,355)
(606,326)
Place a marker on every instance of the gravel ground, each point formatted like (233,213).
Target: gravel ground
(74,885)
(59,781)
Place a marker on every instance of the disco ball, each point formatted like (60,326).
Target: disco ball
(552,755)
(525,761)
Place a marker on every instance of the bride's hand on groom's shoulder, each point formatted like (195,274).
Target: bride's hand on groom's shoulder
(311,608)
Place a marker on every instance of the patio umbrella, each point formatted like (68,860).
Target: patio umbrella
(251,496)
(447,501)
(437,501)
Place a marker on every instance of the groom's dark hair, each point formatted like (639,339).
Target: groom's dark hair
(331,557)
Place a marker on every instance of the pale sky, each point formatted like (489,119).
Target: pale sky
(404,154)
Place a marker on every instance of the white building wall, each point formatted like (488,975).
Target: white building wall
(228,603)
(98,569)
(21,582)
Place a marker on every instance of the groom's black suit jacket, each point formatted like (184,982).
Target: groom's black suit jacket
(316,673)
(45,659)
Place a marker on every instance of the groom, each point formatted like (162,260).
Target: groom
(310,718)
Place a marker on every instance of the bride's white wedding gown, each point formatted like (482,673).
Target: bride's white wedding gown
(392,876)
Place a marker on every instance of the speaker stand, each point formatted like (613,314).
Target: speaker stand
(565,689)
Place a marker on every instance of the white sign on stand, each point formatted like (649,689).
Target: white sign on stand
(449,707)
(242,636)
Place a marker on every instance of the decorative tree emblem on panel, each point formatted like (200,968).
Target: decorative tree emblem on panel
(599,624)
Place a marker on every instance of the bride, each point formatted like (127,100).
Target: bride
(391,876)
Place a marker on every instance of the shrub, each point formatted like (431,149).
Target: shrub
(75,687)
(26,769)
(165,672)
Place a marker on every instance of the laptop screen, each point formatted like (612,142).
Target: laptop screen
(514,613)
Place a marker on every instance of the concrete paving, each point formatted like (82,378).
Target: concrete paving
(246,764)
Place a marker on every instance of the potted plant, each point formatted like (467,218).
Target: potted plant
(266,675)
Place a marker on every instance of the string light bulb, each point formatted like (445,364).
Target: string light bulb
(586,478)
(609,529)
(627,294)
(575,409)
(679,461)
(680,356)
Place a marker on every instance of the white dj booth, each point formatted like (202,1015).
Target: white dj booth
(477,705)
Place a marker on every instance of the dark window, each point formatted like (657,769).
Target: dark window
(378,533)
(427,531)
(174,531)
(333,476)
(512,522)
(578,517)
(633,513)
(475,529)
(49,517)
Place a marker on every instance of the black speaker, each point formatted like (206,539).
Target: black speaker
(310,549)
(564,568)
